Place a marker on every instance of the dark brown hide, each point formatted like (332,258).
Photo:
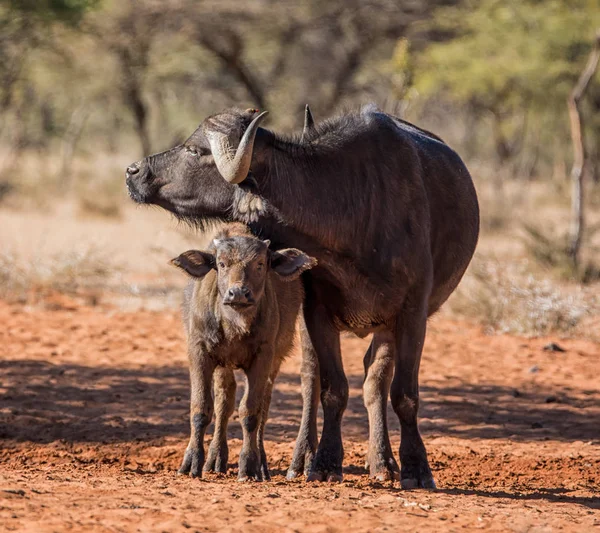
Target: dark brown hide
(391,214)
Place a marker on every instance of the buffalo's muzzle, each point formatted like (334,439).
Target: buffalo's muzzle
(137,182)
(132,169)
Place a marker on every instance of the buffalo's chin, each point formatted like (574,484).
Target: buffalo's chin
(136,195)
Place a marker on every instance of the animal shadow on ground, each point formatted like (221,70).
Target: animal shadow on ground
(551,495)
(43,402)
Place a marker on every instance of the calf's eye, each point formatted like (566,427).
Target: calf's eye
(192,150)
(221,264)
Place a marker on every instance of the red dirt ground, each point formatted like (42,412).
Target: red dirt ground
(93,423)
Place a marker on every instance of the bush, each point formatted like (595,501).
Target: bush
(508,299)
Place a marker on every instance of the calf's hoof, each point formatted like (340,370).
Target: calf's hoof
(217,459)
(243,478)
(292,474)
(301,464)
(383,467)
(264,471)
(385,473)
(192,463)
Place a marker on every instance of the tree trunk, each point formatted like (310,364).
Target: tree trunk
(70,139)
(135,101)
(579,153)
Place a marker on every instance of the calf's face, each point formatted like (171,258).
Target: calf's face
(242,265)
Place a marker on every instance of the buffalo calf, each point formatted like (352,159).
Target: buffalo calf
(240,311)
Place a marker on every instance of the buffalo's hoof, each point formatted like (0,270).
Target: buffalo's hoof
(192,463)
(319,475)
(320,472)
(327,465)
(332,477)
(250,467)
(416,474)
(417,483)
(217,460)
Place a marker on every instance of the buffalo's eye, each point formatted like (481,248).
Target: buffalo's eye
(221,264)
(192,150)
(260,266)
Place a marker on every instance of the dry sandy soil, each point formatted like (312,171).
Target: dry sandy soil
(93,423)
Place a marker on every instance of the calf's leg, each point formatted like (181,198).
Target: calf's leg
(251,413)
(379,367)
(410,336)
(224,394)
(201,411)
(306,443)
(264,465)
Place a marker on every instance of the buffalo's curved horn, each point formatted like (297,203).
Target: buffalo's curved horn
(234,164)
(309,122)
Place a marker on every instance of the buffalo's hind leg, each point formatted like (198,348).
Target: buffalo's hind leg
(410,336)
(224,391)
(379,367)
(307,441)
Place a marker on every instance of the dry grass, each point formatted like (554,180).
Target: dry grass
(508,298)
(101,198)
(506,293)
(66,273)
(552,251)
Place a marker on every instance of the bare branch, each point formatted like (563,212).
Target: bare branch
(579,150)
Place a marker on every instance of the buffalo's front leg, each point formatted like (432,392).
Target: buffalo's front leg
(325,339)
(379,367)
(251,408)
(224,389)
(306,443)
(415,471)
(201,411)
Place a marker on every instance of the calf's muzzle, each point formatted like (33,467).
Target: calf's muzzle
(238,295)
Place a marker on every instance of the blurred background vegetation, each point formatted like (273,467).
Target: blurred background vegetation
(87,86)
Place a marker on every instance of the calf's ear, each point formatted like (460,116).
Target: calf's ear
(196,263)
(290,263)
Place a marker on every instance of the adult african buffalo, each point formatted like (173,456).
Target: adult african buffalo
(390,213)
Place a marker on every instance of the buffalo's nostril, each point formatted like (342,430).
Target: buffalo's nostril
(133,169)
(246,292)
(231,293)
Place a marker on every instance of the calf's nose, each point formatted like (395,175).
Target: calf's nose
(238,295)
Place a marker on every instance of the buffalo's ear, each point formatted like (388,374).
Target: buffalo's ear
(288,264)
(196,263)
